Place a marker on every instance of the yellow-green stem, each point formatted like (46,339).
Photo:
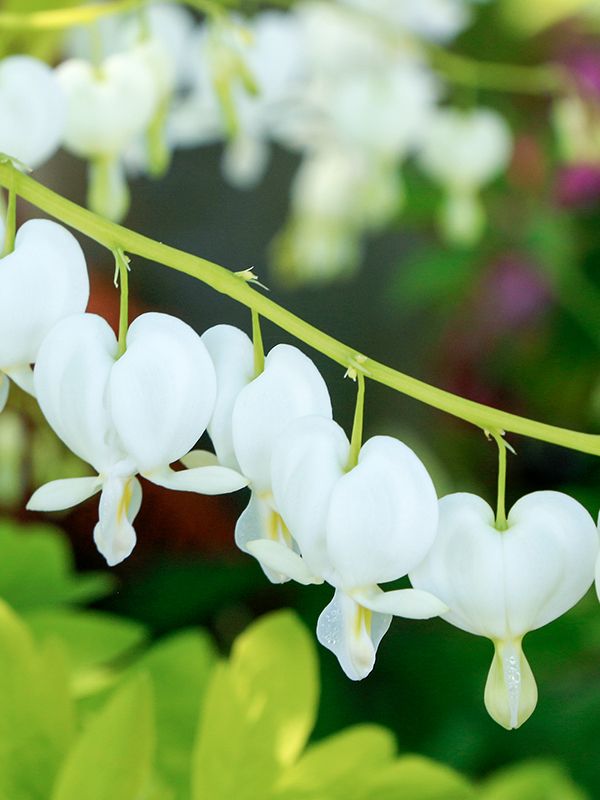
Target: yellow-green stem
(122,268)
(227,282)
(11,222)
(259,350)
(541,79)
(501,523)
(357,425)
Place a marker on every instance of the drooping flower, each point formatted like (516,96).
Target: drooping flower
(108,107)
(502,584)
(42,281)
(250,414)
(464,150)
(355,527)
(32,110)
(137,414)
(245,77)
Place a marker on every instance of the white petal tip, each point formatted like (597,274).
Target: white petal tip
(510,691)
(281,559)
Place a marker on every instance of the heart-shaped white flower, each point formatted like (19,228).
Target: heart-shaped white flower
(502,584)
(463,150)
(32,110)
(355,528)
(250,414)
(137,414)
(42,281)
(107,109)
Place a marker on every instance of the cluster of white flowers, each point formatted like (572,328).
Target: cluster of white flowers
(346,84)
(321,509)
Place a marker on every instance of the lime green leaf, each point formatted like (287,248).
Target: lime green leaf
(419,778)
(112,757)
(91,638)
(532,17)
(180,669)
(258,713)
(36,716)
(534,780)
(340,766)
(36,569)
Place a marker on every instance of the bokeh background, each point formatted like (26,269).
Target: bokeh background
(512,321)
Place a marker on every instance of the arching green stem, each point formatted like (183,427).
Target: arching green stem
(357,425)
(544,79)
(259,350)
(227,282)
(11,222)
(122,277)
(501,523)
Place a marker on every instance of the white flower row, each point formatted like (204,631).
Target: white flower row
(314,515)
(346,84)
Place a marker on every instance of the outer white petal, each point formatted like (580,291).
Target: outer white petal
(120,502)
(382,516)
(550,551)
(279,558)
(204,480)
(42,281)
(464,566)
(410,603)
(232,354)
(309,458)
(71,379)
(4,390)
(23,377)
(290,387)
(162,391)
(259,520)
(352,633)
(66,493)
(501,584)
(32,110)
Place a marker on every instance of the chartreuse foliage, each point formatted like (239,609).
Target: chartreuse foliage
(89,711)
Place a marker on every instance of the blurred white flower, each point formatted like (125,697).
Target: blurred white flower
(337,194)
(502,584)
(245,76)
(42,281)
(464,150)
(108,107)
(32,110)
(355,527)
(137,414)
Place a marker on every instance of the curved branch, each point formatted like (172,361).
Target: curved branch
(236,286)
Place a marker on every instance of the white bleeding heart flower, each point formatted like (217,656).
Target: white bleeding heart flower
(108,107)
(42,281)
(355,528)
(250,414)
(152,152)
(136,414)
(32,110)
(464,150)
(502,584)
